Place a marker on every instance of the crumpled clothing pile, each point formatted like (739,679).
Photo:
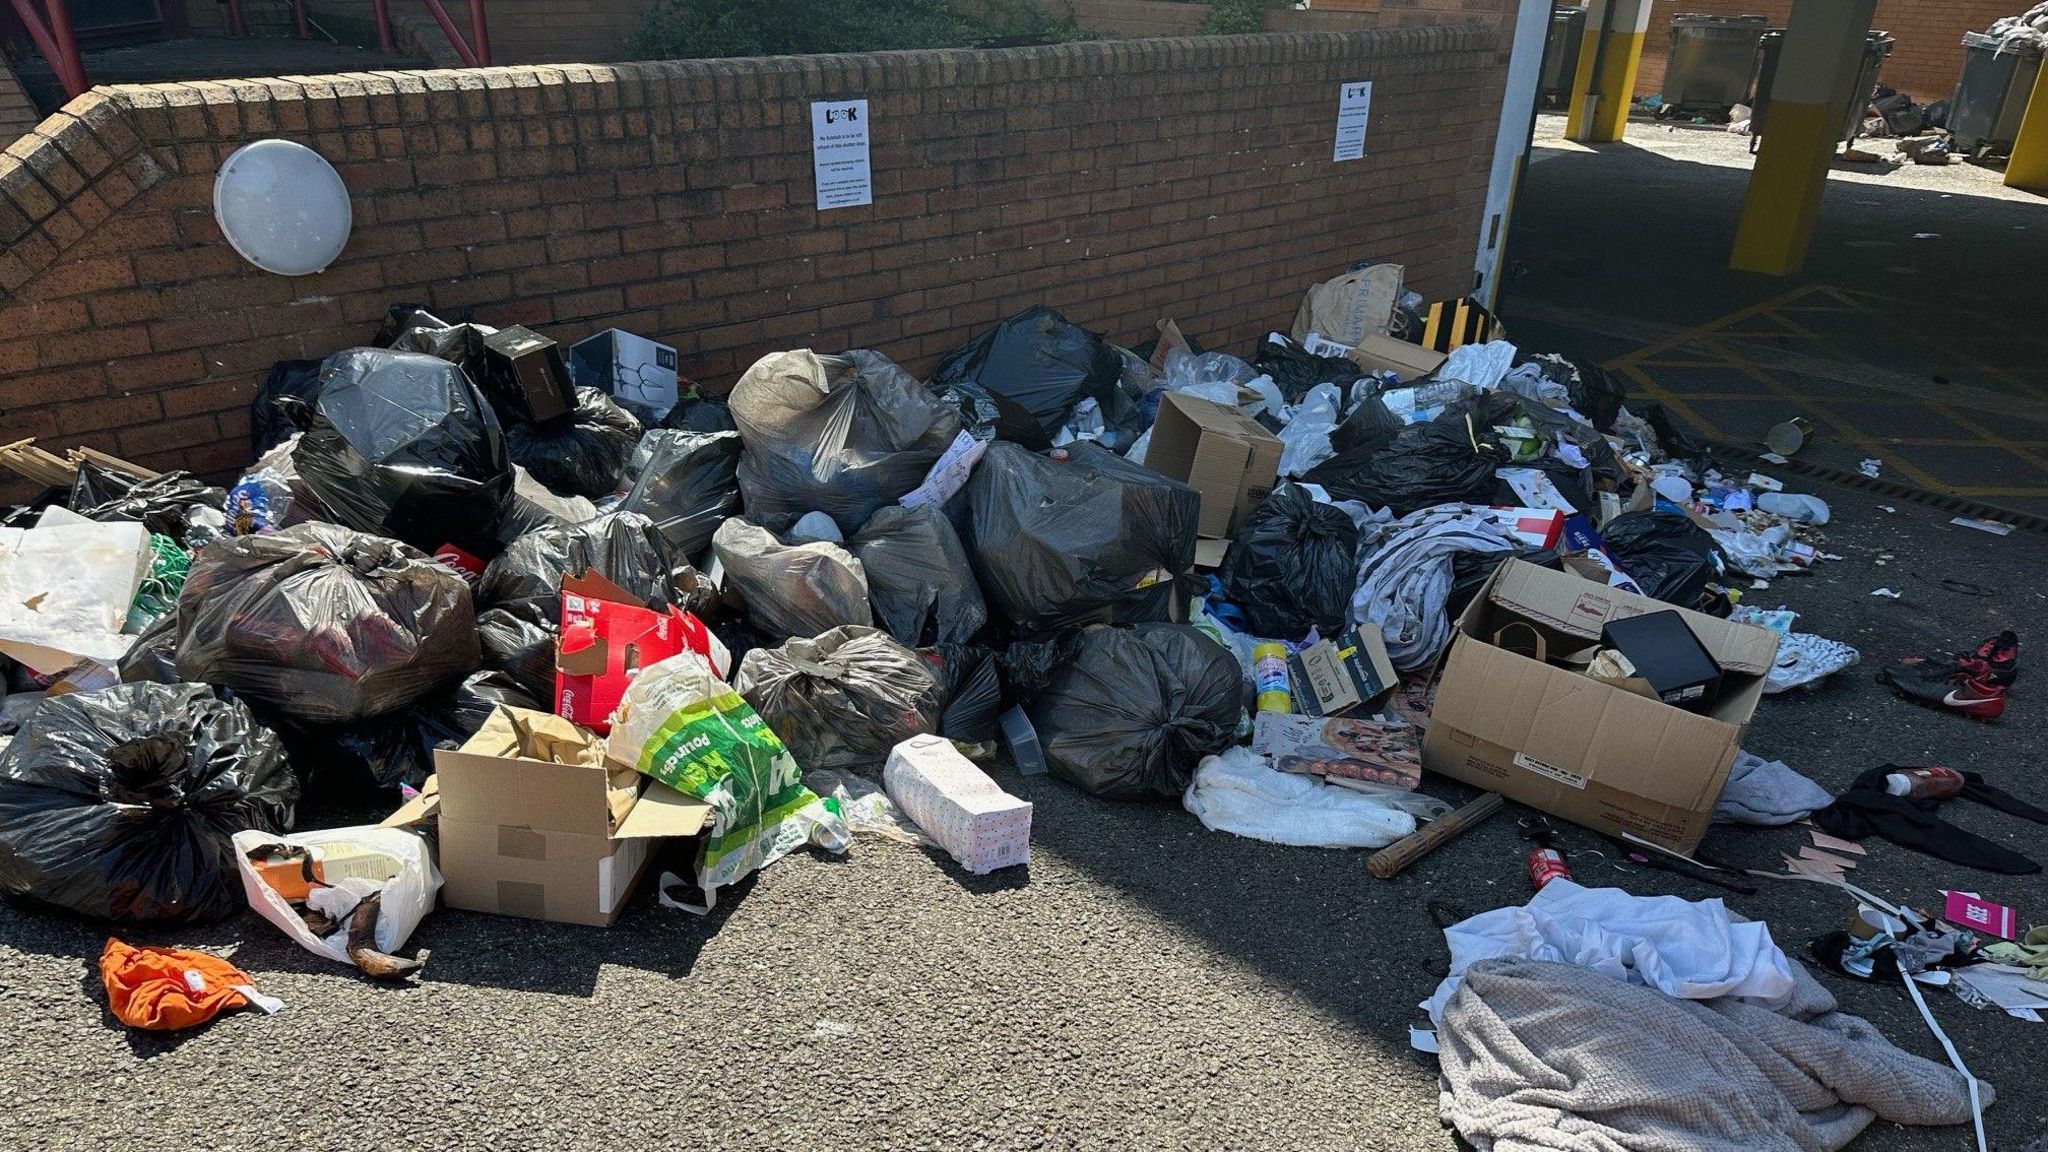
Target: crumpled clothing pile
(1404,576)
(1543,1056)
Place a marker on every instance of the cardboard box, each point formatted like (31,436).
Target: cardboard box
(1585,751)
(983,827)
(535,823)
(1328,678)
(633,370)
(1536,527)
(1405,360)
(1384,752)
(1219,452)
(527,374)
(608,635)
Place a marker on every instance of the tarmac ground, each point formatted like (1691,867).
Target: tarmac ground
(1143,983)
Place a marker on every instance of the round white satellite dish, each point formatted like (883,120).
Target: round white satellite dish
(282,206)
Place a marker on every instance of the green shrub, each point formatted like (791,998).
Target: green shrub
(1228,17)
(683,29)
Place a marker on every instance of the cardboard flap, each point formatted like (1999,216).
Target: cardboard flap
(1577,607)
(491,779)
(662,812)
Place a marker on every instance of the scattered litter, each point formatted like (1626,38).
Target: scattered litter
(1886,592)
(832,1029)
(1887,508)
(1869,467)
(1991,526)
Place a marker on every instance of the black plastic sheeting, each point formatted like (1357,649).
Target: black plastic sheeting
(324,624)
(1135,709)
(120,804)
(920,585)
(843,699)
(1441,461)
(623,547)
(688,486)
(581,454)
(1091,538)
(401,444)
(1029,372)
(1293,566)
(1670,558)
(172,504)
(1295,371)
(842,435)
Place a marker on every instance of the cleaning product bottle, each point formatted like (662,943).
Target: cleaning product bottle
(1269,670)
(1924,783)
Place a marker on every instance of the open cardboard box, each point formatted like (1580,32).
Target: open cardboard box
(1593,753)
(534,822)
(608,636)
(1226,456)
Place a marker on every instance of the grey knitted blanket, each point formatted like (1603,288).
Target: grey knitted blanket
(1551,1057)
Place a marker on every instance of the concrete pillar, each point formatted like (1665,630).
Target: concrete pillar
(1822,52)
(2028,166)
(1606,77)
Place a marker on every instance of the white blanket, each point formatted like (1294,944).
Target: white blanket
(1692,950)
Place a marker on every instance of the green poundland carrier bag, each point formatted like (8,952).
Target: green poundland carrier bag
(682,725)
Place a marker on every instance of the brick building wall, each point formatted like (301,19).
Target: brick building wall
(1119,181)
(17,113)
(1925,61)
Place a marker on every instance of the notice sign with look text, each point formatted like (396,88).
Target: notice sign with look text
(839,154)
(1354,103)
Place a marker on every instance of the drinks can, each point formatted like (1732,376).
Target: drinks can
(1545,865)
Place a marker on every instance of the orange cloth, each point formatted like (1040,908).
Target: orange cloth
(167,988)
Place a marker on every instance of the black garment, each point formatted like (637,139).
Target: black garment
(1866,809)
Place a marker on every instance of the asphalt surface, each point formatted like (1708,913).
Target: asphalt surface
(1142,983)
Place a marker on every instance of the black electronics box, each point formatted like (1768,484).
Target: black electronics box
(527,375)
(1677,666)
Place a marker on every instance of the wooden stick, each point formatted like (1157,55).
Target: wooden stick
(1407,850)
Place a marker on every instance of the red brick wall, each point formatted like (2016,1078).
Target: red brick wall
(1925,61)
(1118,181)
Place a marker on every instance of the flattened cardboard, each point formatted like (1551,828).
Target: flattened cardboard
(1226,456)
(1405,360)
(1330,678)
(1585,751)
(524,833)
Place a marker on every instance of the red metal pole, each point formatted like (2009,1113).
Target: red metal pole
(51,30)
(299,17)
(67,43)
(449,30)
(380,14)
(39,31)
(480,34)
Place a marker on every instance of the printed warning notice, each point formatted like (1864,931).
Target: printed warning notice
(839,154)
(1354,105)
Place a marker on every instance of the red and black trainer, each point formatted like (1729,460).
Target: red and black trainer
(1964,688)
(1996,661)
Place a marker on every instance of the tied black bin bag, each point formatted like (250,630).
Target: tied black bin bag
(623,547)
(581,454)
(1293,566)
(323,624)
(1448,460)
(1135,709)
(1083,537)
(120,803)
(1671,558)
(401,444)
(398,747)
(919,582)
(1028,373)
(688,485)
(843,699)
(842,435)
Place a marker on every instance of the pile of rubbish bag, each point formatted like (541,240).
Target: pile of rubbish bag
(1155,574)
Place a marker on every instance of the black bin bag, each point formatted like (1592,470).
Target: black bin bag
(398,747)
(323,624)
(1670,558)
(1293,566)
(919,582)
(297,383)
(842,435)
(1089,538)
(401,444)
(581,454)
(1443,461)
(791,589)
(688,485)
(842,699)
(172,504)
(522,649)
(1028,373)
(1133,710)
(623,547)
(119,804)
(970,679)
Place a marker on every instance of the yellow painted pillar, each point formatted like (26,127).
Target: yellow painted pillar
(1817,65)
(1606,79)
(2028,167)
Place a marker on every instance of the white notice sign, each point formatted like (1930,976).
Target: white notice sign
(839,154)
(1354,102)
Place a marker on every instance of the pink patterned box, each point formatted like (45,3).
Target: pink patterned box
(982,826)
